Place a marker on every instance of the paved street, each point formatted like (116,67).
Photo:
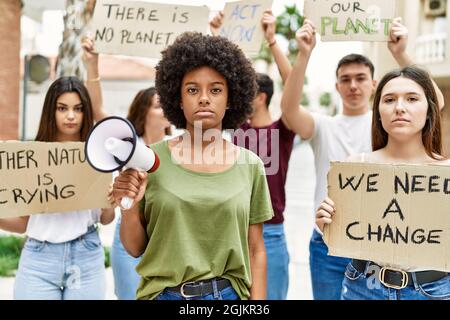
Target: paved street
(300,220)
(298,225)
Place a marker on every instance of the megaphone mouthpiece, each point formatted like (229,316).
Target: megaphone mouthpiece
(119,148)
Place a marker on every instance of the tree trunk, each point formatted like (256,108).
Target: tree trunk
(9,68)
(77,16)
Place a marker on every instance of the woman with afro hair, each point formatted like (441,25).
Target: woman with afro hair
(197,221)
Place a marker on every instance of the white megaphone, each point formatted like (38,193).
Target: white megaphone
(113,144)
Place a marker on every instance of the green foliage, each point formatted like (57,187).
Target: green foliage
(287,25)
(10,248)
(325,99)
(107,256)
(8,266)
(265,54)
(305,100)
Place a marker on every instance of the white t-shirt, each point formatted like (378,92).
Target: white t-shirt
(335,139)
(61,227)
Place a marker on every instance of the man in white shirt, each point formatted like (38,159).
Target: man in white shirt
(336,138)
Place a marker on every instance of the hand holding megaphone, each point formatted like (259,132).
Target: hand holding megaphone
(112,144)
(130,184)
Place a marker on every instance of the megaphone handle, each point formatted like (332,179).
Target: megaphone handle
(126,203)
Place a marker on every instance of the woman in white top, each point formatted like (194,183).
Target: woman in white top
(62,258)
(405,129)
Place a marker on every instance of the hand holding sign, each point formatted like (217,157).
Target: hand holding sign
(392,214)
(268,22)
(216,23)
(87,43)
(325,213)
(90,57)
(398,38)
(306,37)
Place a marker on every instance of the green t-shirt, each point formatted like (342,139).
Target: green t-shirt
(197,223)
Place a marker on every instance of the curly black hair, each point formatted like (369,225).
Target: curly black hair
(192,50)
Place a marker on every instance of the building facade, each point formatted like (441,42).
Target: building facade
(9,68)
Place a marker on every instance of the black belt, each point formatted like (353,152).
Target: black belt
(200,288)
(398,279)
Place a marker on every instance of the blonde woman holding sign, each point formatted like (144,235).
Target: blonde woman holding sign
(62,258)
(405,129)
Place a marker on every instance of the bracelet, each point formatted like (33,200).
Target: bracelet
(273,43)
(94,80)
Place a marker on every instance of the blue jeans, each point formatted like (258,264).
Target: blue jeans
(277,261)
(358,286)
(72,270)
(227,293)
(327,272)
(126,279)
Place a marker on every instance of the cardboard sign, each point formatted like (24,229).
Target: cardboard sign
(395,215)
(364,20)
(40,177)
(143,29)
(242,24)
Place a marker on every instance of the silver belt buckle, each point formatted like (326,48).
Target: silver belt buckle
(182,290)
(404,278)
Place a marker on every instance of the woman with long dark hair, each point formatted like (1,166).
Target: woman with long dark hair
(63,258)
(406,129)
